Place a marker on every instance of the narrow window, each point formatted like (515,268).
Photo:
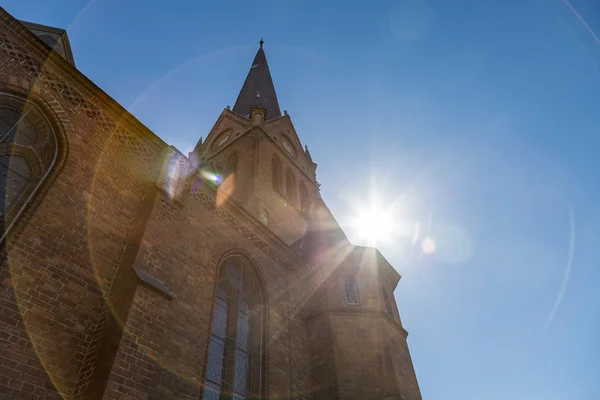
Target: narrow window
(276,173)
(290,185)
(232,165)
(28,151)
(303,197)
(234,363)
(350,292)
(389,309)
(215,367)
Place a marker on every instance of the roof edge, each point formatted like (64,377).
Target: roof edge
(114,108)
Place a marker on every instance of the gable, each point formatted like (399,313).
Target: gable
(281,130)
(55,38)
(229,127)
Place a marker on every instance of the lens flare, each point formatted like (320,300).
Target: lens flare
(173,177)
(428,245)
(225,190)
(212,177)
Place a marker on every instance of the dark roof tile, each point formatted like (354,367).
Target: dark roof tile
(258,90)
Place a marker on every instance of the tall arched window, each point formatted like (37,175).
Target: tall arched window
(303,197)
(389,309)
(232,164)
(234,363)
(28,151)
(290,185)
(350,292)
(276,173)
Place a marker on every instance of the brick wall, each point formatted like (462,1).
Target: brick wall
(356,351)
(183,244)
(61,257)
(323,369)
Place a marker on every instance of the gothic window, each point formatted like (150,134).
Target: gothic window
(232,164)
(389,309)
(290,185)
(303,197)
(350,292)
(234,362)
(276,173)
(28,151)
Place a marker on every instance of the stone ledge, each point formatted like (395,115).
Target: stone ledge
(153,282)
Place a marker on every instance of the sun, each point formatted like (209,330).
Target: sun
(374,223)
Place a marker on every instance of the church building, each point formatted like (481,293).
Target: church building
(129,270)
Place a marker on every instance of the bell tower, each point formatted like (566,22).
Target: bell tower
(259,158)
(356,344)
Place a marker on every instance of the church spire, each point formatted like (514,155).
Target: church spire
(258,90)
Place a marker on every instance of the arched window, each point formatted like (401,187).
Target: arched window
(232,164)
(303,197)
(290,185)
(276,173)
(389,309)
(234,363)
(350,292)
(28,151)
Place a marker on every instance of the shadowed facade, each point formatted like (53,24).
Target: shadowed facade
(132,271)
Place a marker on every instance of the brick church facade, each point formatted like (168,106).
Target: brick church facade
(132,271)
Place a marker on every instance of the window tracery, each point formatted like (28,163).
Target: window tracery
(234,363)
(28,151)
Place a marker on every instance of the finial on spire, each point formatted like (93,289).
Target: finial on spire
(261,42)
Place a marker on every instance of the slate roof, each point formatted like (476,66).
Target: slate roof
(258,90)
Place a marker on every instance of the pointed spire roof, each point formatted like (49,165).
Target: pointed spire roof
(258,90)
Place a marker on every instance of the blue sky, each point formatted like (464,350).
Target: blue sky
(480,117)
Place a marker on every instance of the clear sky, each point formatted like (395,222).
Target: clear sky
(478,120)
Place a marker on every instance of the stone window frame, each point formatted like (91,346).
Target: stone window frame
(276,173)
(40,164)
(231,166)
(389,308)
(239,292)
(290,185)
(304,203)
(346,288)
